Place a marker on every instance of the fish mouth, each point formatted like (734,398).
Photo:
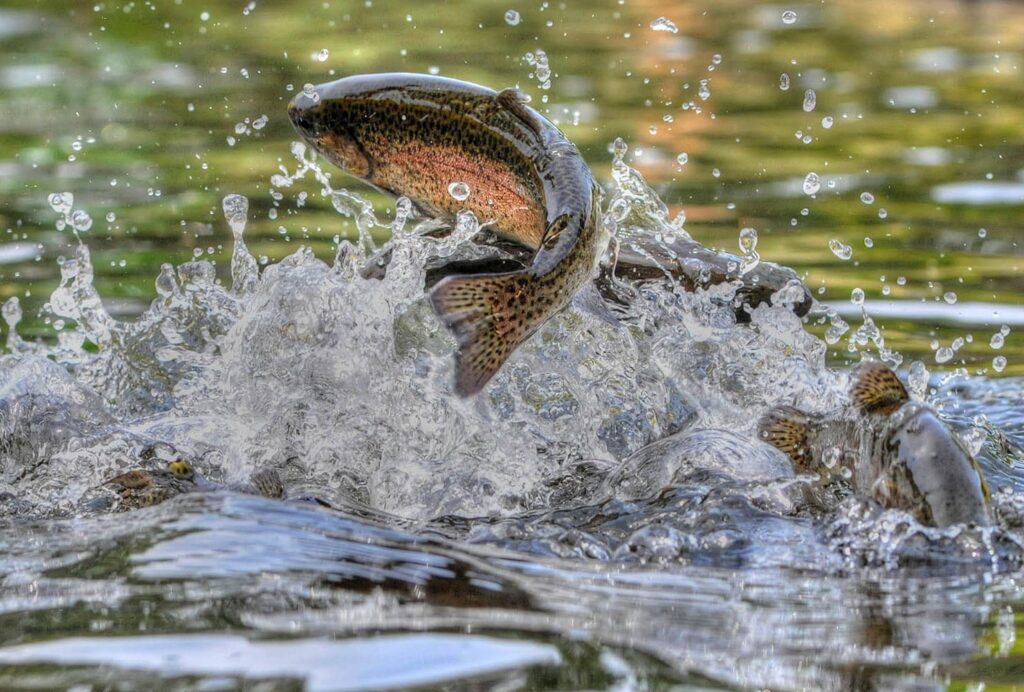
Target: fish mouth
(304,112)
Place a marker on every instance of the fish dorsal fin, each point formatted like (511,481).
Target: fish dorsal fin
(877,390)
(786,428)
(515,101)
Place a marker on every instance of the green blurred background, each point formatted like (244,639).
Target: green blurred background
(148,113)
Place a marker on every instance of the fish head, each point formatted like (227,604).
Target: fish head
(930,472)
(324,116)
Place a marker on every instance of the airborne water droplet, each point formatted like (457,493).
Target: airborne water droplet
(999,363)
(682,159)
(512,18)
(812,183)
(789,17)
(784,81)
(840,249)
(810,100)
(322,55)
(867,198)
(664,24)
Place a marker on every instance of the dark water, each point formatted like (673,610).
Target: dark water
(464,547)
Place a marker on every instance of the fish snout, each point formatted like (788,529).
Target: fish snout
(304,112)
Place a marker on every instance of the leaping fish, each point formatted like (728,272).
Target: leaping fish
(896,450)
(416,135)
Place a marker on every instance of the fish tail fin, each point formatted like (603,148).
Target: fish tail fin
(487,316)
(786,428)
(877,389)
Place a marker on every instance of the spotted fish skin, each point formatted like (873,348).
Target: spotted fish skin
(414,135)
(896,450)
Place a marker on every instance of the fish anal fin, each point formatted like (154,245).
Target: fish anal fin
(488,316)
(877,390)
(786,429)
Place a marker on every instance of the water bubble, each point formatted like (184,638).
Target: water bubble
(840,249)
(949,297)
(459,190)
(716,173)
(867,198)
(868,242)
(882,213)
(260,122)
(944,354)
(682,159)
(857,296)
(982,233)
(704,91)
(784,81)
(111,217)
(998,363)
(810,100)
(827,122)
(322,55)
(664,24)
(512,18)
(812,183)
(789,17)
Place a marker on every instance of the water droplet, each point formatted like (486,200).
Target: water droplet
(868,242)
(810,100)
(236,210)
(61,202)
(704,91)
(949,297)
(682,159)
(716,173)
(882,213)
(260,122)
(998,363)
(512,18)
(459,190)
(857,296)
(944,354)
(80,220)
(748,248)
(789,17)
(322,55)
(111,217)
(827,122)
(982,233)
(812,183)
(840,249)
(664,24)
(784,81)
(867,198)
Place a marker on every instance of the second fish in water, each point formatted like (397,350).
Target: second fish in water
(417,135)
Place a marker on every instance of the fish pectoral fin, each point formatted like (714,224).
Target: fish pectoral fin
(786,428)
(876,389)
(487,315)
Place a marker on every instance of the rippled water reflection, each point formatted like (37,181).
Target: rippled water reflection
(499,542)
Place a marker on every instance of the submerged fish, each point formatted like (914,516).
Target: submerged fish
(894,449)
(435,140)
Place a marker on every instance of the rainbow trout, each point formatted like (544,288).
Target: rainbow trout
(428,138)
(894,449)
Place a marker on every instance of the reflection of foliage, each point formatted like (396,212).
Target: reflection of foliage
(160,91)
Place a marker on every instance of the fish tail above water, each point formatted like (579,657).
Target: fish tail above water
(490,315)
(786,428)
(876,389)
